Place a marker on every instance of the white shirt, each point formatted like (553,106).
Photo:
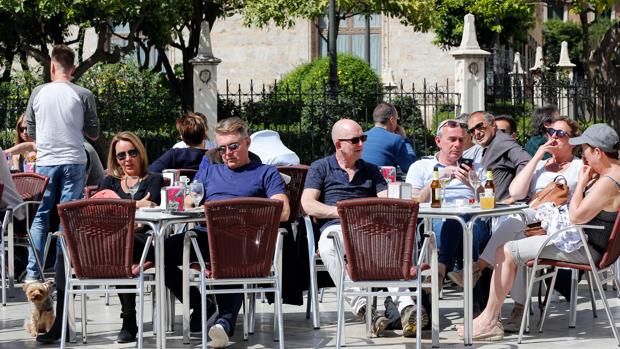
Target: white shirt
(421,173)
(542,177)
(208,144)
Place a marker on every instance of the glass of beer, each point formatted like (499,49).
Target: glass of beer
(487,201)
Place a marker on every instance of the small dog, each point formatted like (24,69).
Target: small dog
(42,310)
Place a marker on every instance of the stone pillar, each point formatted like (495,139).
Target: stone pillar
(537,71)
(565,79)
(516,80)
(205,79)
(470,69)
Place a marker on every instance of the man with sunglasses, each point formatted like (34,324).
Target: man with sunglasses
(59,115)
(343,175)
(387,143)
(501,152)
(236,176)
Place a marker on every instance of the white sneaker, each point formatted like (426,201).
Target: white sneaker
(218,335)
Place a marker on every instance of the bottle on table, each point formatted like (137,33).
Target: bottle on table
(487,199)
(435,189)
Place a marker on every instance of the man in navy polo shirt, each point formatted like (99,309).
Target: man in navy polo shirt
(238,176)
(343,175)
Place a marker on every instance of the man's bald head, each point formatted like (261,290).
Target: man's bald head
(343,129)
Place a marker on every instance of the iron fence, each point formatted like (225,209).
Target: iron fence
(304,118)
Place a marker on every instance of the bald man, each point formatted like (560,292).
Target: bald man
(343,175)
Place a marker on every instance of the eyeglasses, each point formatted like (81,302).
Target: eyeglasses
(355,140)
(559,133)
(451,124)
(123,155)
(478,127)
(22,129)
(231,147)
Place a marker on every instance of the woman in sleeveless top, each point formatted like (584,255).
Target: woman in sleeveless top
(600,175)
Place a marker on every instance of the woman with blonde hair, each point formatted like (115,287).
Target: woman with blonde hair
(127,157)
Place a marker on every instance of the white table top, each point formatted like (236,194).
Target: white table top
(159,214)
(473,210)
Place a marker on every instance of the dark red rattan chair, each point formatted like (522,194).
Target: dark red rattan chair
(598,273)
(97,243)
(378,239)
(31,187)
(244,249)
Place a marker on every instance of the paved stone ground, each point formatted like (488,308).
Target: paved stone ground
(104,323)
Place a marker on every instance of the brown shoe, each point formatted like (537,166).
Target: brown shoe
(457,276)
(408,320)
(514,321)
(379,323)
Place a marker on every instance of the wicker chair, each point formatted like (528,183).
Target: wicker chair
(31,187)
(379,237)
(598,273)
(97,243)
(248,228)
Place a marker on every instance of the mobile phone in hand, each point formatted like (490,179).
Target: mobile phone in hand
(468,162)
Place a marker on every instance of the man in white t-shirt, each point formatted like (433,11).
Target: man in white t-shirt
(59,115)
(450,140)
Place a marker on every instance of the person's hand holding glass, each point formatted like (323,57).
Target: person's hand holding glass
(196,192)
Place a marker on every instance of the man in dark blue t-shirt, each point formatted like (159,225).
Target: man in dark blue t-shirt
(238,176)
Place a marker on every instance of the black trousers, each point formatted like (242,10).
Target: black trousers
(228,304)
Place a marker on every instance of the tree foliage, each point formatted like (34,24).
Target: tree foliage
(498,22)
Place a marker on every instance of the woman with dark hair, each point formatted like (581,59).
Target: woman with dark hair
(193,130)
(595,201)
(542,118)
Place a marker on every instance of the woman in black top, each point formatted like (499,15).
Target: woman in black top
(595,201)
(127,157)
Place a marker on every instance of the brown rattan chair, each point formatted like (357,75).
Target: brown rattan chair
(31,187)
(244,250)
(378,236)
(97,243)
(598,273)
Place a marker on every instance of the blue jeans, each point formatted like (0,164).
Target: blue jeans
(69,180)
(449,235)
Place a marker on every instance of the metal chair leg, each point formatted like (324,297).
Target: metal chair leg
(252,312)
(572,315)
(547,297)
(591,289)
(245,314)
(612,323)
(83,298)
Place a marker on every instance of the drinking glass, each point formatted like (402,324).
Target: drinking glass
(444,180)
(474,180)
(196,192)
(132,183)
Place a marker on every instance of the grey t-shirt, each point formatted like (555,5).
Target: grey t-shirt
(58,115)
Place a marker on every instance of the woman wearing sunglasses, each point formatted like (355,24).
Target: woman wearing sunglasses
(24,147)
(533,178)
(595,201)
(127,157)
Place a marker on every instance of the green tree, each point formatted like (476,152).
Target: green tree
(498,22)
(555,31)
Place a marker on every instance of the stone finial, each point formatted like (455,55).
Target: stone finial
(516,66)
(204,45)
(469,40)
(538,61)
(564,58)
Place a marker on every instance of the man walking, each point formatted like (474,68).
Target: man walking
(59,115)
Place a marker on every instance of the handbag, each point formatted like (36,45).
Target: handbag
(555,192)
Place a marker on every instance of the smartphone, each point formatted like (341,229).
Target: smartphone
(468,162)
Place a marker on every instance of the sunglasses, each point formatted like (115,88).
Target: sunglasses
(231,147)
(452,123)
(478,127)
(559,133)
(355,140)
(123,155)
(22,129)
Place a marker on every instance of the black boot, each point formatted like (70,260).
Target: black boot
(129,330)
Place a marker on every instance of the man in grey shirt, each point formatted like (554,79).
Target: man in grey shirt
(58,115)
(501,152)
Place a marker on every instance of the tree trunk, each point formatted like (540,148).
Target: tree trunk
(585,30)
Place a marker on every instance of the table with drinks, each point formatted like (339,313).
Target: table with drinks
(458,211)
(161,219)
